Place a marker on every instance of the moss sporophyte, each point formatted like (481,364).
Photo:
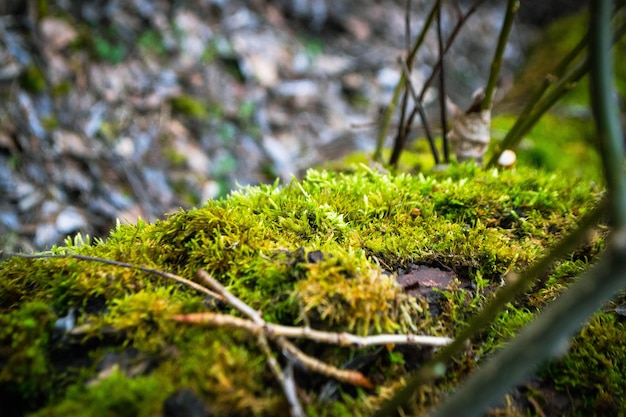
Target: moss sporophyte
(332,254)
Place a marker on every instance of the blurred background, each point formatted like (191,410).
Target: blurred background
(131,109)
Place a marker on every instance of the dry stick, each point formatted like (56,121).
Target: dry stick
(399,145)
(340,339)
(386,120)
(399,141)
(511,10)
(279,374)
(402,134)
(285,378)
(158,272)
(407,28)
(434,72)
(442,91)
(453,35)
(345,376)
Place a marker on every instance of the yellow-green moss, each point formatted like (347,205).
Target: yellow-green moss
(322,251)
(33,79)
(593,371)
(193,107)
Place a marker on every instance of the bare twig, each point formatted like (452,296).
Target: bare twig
(153,271)
(400,138)
(285,378)
(400,87)
(442,91)
(511,10)
(256,325)
(398,145)
(346,376)
(231,299)
(407,28)
(455,31)
(341,339)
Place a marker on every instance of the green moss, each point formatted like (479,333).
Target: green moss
(24,337)
(151,42)
(33,79)
(593,370)
(322,251)
(190,106)
(116,395)
(50,123)
(107,49)
(61,89)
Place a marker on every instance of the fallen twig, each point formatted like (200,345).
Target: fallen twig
(341,339)
(285,378)
(158,272)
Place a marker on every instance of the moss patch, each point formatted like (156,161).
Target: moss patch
(324,251)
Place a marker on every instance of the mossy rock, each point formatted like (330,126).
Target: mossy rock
(325,252)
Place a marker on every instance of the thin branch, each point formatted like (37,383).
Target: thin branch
(340,339)
(400,139)
(496,63)
(605,109)
(346,376)
(407,28)
(153,271)
(285,378)
(455,31)
(400,87)
(442,92)
(230,298)
(399,144)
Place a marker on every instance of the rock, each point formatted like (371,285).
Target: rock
(184,403)
(70,220)
(56,33)
(46,235)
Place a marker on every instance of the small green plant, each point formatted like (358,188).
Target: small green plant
(151,42)
(190,106)
(33,79)
(107,50)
